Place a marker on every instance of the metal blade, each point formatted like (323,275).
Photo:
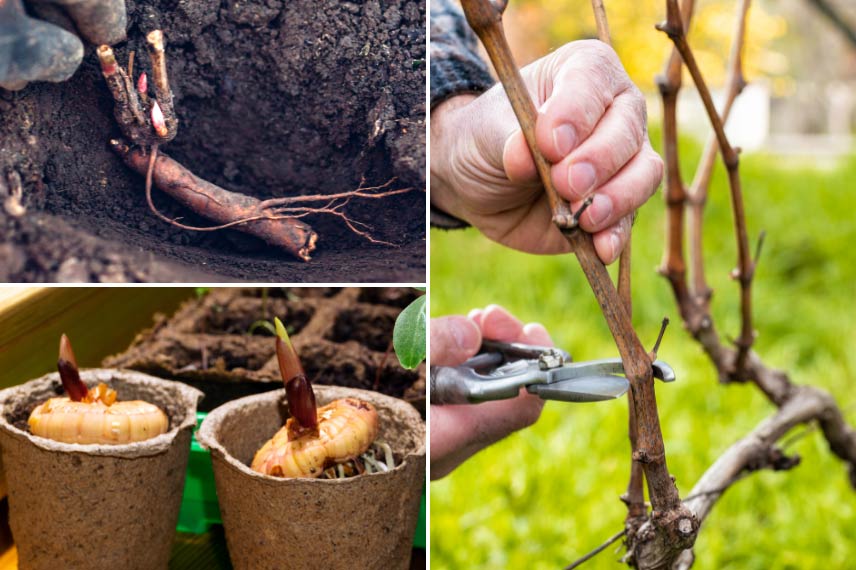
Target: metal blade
(587,389)
(586,368)
(663,371)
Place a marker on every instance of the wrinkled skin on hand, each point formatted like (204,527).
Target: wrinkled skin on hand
(591,127)
(34,50)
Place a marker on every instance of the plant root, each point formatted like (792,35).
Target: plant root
(276,221)
(229,209)
(377,459)
(147,122)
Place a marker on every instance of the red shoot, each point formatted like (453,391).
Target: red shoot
(68,371)
(298,390)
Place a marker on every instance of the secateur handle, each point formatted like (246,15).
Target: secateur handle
(475,381)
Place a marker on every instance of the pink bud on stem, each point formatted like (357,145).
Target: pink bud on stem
(142,84)
(68,371)
(298,390)
(158,122)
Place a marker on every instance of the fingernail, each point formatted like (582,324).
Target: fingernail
(581,177)
(600,210)
(615,242)
(564,139)
(530,329)
(466,335)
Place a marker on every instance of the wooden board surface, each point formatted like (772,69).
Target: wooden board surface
(99,321)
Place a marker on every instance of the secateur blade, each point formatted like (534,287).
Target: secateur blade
(586,389)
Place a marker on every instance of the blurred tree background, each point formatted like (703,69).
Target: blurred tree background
(536,27)
(549,494)
(801,69)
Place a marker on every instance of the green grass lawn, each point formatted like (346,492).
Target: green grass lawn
(547,495)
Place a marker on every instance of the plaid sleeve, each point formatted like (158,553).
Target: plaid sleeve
(455,64)
(456,68)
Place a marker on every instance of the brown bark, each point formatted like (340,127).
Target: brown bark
(674,525)
(697,197)
(658,540)
(634,497)
(758,450)
(674,28)
(797,404)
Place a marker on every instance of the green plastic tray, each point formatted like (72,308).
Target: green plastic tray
(199,507)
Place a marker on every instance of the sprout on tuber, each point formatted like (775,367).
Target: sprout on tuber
(298,391)
(93,416)
(334,441)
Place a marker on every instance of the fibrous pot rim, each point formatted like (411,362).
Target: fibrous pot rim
(177,398)
(207,434)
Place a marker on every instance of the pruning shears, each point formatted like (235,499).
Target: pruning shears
(500,369)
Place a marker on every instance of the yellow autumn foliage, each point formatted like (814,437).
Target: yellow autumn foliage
(537,26)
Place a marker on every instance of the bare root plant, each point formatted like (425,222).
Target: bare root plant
(661,535)
(148,121)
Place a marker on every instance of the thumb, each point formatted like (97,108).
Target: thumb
(453,340)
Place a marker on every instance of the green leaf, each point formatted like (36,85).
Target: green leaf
(281,332)
(408,337)
(263,325)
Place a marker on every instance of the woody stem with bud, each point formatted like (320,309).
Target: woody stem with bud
(148,120)
(163,106)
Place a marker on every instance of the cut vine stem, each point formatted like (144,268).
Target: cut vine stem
(674,523)
(634,497)
(697,194)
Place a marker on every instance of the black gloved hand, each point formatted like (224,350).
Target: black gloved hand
(34,50)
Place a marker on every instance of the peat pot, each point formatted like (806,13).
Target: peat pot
(363,522)
(96,506)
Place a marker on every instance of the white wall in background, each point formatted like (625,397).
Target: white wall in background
(748,126)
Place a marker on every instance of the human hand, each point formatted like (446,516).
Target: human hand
(458,432)
(592,128)
(34,50)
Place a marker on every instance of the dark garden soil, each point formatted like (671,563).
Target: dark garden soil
(216,343)
(274,98)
